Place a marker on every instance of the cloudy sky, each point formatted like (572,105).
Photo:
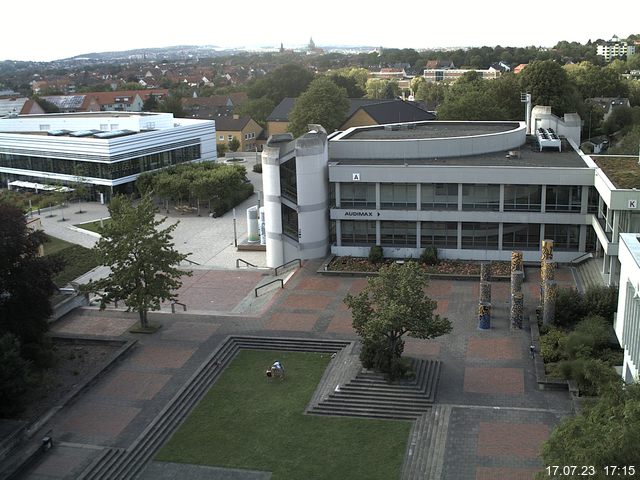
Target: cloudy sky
(39,30)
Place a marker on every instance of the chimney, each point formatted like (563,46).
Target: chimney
(236,116)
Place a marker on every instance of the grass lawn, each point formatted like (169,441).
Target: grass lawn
(93,226)
(248,422)
(78,259)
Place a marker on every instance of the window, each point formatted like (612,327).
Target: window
(439,196)
(565,237)
(221,138)
(45,127)
(439,234)
(480,236)
(594,197)
(354,232)
(520,236)
(398,234)
(398,196)
(522,198)
(230,137)
(561,198)
(290,222)
(362,195)
(480,197)
(288,180)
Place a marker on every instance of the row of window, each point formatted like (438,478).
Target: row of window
(483,197)
(247,136)
(111,170)
(474,235)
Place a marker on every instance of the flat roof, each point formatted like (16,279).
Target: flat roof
(429,129)
(528,155)
(624,172)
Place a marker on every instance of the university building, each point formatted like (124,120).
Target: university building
(107,150)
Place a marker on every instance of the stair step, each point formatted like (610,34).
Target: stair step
(365,413)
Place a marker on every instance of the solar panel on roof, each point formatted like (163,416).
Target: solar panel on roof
(57,133)
(114,134)
(83,133)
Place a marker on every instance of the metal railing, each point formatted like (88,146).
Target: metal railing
(581,258)
(191,261)
(173,307)
(255,291)
(287,264)
(249,264)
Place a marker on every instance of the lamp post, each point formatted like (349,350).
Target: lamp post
(235,232)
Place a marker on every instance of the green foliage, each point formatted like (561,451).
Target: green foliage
(607,433)
(142,258)
(569,307)
(234,144)
(553,345)
(322,103)
(221,149)
(602,301)
(15,373)
(628,144)
(286,81)
(550,85)
(594,81)
(25,282)
(172,104)
(258,109)
(77,260)
(376,254)
(391,305)
(429,255)
(590,335)
(350,84)
(592,375)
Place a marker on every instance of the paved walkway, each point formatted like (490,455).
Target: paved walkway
(498,417)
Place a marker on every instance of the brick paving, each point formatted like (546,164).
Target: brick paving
(499,417)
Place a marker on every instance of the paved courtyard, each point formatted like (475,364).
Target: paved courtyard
(498,419)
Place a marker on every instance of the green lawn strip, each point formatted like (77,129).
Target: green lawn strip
(246,421)
(78,259)
(93,226)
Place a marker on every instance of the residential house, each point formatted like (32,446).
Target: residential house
(609,104)
(214,106)
(615,48)
(245,129)
(518,68)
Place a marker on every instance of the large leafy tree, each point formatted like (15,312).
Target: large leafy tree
(142,258)
(391,305)
(606,433)
(473,98)
(593,81)
(550,85)
(286,81)
(25,284)
(323,103)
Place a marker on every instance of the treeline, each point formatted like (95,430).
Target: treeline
(218,186)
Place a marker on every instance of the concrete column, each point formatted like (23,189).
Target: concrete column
(338,233)
(418,197)
(501,207)
(516,261)
(459,235)
(543,201)
(582,241)
(485,292)
(378,197)
(484,316)
(584,204)
(378,234)
(616,226)
(485,272)
(550,295)
(517,310)
(418,239)
(459,198)
(338,194)
(517,277)
(500,233)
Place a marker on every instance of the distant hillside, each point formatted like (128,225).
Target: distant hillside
(178,51)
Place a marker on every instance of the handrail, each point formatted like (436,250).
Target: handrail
(191,261)
(255,290)
(238,260)
(288,263)
(581,258)
(173,306)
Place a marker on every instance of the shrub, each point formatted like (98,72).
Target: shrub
(591,375)
(257,167)
(376,254)
(377,354)
(14,376)
(590,336)
(601,300)
(429,255)
(553,345)
(569,307)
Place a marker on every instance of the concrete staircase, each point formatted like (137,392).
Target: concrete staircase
(588,274)
(369,394)
(118,463)
(424,459)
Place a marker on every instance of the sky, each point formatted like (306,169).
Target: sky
(44,31)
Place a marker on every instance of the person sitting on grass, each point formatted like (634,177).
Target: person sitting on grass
(276,370)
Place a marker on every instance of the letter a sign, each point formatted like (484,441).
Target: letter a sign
(356,177)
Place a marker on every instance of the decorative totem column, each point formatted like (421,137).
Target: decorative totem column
(547,254)
(484,316)
(485,282)
(517,277)
(516,261)
(549,307)
(517,310)
(485,272)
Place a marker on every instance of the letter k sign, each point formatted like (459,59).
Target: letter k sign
(633,203)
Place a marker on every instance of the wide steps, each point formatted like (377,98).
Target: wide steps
(116,464)
(370,393)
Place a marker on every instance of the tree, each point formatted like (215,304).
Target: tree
(258,109)
(550,85)
(234,144)
(15,374)
(286,81)
(376,88)
(472,98)
(142,258)
(606,433)
(323,103)
(391,305)
(172,104)
(150,104)
(593,81)
(350,84)
(25,285)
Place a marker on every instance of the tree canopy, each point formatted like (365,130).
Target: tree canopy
(391,305)
(286,81)
(141,256)
(550,85)
(323,103)
(25,284)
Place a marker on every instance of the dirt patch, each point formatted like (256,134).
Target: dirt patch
(75,364)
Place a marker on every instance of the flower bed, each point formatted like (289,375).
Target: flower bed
(443,267)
